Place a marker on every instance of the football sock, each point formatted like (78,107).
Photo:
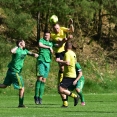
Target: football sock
(37,87)
(73,95)
(81,96)
(21,99)
(66,97)
(41,91)
(65,102)
(60,76)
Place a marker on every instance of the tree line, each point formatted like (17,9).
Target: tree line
(92,18)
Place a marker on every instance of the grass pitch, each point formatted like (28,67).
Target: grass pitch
(97,105)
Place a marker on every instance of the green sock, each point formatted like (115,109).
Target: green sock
(41,91)
(21,99)
(37,87)
(81,96)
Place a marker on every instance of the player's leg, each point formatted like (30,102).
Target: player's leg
(40,69)
(7,80)
(43,81)
(63,89)
(21,97)
(41,90)
(68,93)
(65,100)
(60,56)
(37,88)
(18,83)
(79,88)
(3,86)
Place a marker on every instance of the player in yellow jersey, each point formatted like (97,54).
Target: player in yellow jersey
(69,74)
(59,38)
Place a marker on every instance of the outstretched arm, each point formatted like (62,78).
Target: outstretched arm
(61,42)
(33,54)
(44,46)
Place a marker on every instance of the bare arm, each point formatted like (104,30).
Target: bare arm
(13,50)
(44,46)
(63,62)
(33,54)
(71,27)
(79,76)
(61,42)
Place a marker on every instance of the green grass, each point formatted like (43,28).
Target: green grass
(97,105)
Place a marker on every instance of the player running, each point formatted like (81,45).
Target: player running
(13,75)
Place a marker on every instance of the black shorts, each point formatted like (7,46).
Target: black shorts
(60,55)
(67,82)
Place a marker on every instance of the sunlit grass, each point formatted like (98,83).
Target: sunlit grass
(97,105)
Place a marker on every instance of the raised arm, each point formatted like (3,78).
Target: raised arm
(13,50)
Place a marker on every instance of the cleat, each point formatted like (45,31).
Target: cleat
(76,100)
(82,103)
(21,106)
(63,106)
(36,100)
(40,100)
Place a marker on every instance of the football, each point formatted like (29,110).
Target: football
(53,19)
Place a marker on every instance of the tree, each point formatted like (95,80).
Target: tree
(18,20)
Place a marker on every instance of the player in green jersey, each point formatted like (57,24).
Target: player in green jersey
(78,83)
(13,75)
(43,66)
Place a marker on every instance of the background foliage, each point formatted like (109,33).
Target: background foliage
(95,37)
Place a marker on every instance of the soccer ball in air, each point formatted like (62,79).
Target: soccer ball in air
(53,19)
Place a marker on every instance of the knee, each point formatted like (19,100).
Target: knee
(78,90)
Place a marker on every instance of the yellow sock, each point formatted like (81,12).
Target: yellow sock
(60,77)
(73,95)
(65,103)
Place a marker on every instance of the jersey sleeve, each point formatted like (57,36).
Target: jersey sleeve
(65,29)
(27,51)
(41,40)
(67,57)
(78,67)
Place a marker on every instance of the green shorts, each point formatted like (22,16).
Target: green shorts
(79,85)
(15,79)
(43,69)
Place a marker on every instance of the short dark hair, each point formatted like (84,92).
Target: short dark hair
(68,45)
(46,31)
(18,41)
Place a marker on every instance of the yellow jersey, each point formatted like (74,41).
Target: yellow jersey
(70,71)
(59,36)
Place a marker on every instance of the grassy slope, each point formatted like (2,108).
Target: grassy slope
(95,81)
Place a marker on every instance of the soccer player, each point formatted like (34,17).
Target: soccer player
(78,83)
(59,38)
(43,66)
(69,74)
(13,75)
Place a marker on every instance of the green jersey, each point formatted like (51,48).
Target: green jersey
(78,69)
(17,61)
(44,53)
